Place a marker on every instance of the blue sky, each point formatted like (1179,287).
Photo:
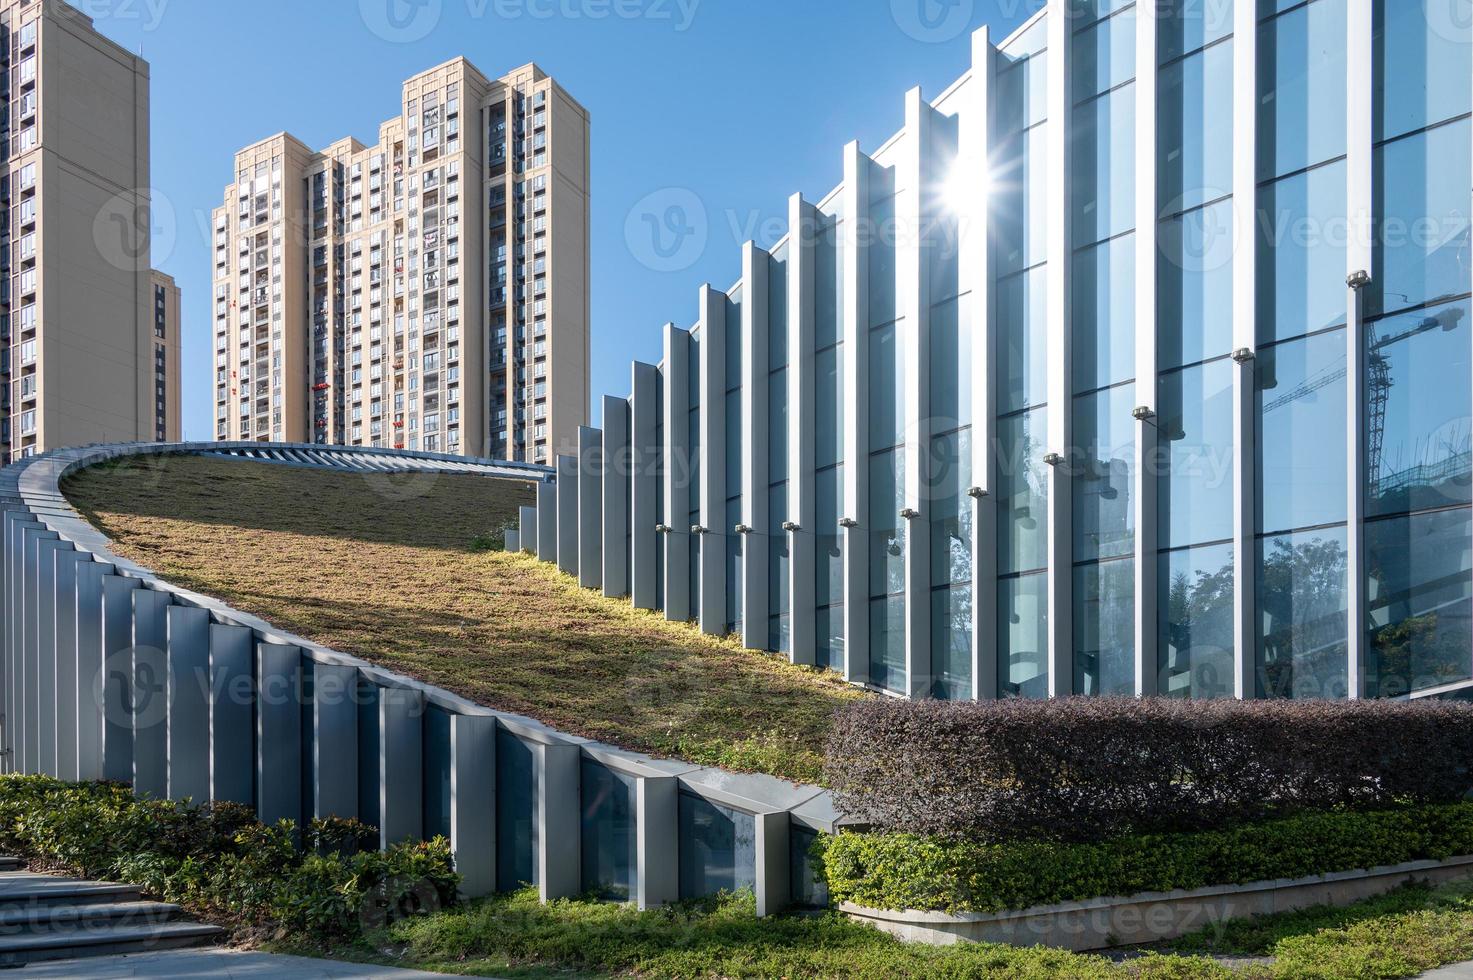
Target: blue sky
(725,107)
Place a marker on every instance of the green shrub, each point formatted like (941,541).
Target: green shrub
(906,871)
(1093,769)
(220,862)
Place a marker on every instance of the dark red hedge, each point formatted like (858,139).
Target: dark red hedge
(1089,769)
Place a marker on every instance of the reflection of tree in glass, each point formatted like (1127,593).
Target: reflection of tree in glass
(1199,617)
(1302,597)
(1419,652)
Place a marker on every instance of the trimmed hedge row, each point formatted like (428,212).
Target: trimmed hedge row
(1091,769)
(905,871)
(219,862)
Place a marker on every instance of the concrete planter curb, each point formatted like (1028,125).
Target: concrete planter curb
(1152,916)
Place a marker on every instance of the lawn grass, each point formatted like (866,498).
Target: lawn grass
(1397,935)
(396,570)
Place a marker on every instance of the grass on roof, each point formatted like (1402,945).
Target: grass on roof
(395,570)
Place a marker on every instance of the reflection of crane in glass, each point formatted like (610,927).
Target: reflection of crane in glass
(1379,381)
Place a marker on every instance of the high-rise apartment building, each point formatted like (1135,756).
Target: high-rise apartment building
(164,364)
(1139,361)
(429,292)
(78,308)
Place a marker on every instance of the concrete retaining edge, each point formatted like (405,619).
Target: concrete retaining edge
(1148,917)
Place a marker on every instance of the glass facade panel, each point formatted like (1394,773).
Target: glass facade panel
(1196,129)
(1022,636)
(1186,25)
(880,247)
(1417,426)
(1419,589)
(951,509)
(1104,482)
(1302,651)
(1301,88)
(1104,55)
(887,643)
(516,824)
(830,494)
(1421,248)
(1103,157)
(1022,324)
(609,852)
(950,390)
(1196,608)
(1104,628)
(1022,494)
(1022,87)
(887,530)
(828,406)
(1302,235)
(886,388)
(1021,201)
(1423,63)
(828,288)
(718,848)
(951,643)
(1196,430)
(1195,286)
(1302,432)
(1104,314)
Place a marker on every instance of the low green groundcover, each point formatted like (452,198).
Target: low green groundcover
(220,862)
(906,871)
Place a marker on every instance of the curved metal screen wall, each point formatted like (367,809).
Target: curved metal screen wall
(1136,363)
(111,673)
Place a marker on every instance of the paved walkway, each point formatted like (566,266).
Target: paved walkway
(216,964)
(1458,971)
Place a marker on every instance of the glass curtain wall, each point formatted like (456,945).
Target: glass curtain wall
(887,352)
(1300,371)
(1417,350)
(1021,381)
(779,553)
(1103,217)
(1193,340)
(828,342)
(735,476)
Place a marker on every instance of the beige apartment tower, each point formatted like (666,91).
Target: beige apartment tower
(429,292)
(79,312)
(164,364)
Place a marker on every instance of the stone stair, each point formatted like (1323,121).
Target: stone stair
(48,918)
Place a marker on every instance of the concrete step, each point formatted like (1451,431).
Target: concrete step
(11,863)
(24,888)
(105,940)
(20,918)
